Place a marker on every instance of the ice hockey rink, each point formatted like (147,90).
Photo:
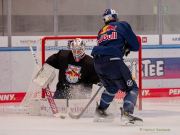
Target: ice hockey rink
(33,30)
(161,117)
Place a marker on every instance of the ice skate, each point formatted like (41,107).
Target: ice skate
(102,116)
(129,119)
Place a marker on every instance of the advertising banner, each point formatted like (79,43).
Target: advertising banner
(170,39)
(161,68)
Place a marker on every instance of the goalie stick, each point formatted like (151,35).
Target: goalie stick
(48,93)
(29,95)
(77,116)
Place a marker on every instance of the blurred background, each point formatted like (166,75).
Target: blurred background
(73,17)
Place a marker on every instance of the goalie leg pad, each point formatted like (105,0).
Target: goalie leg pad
(45,76)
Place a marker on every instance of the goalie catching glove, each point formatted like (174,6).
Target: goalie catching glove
(45,76)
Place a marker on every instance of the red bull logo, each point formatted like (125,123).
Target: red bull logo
(106,37)
(107,28)
(73,73)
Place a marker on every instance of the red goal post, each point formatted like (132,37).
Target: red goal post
(92,37)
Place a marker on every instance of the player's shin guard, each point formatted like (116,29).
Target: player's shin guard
(106,99)
(130,100)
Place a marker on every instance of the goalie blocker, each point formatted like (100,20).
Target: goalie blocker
(45,76)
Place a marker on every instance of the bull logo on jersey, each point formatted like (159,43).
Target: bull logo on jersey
(73,73)
(107,28)
(104,36)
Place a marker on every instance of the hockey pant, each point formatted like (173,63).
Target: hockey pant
(115,75)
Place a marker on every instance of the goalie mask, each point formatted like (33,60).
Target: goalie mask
(77,47)
(110,15)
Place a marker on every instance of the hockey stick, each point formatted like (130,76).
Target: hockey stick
(77,116)
(29,94)
(48,93)
(52,104)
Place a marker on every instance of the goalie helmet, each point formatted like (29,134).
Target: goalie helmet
(110,15)
(77,46)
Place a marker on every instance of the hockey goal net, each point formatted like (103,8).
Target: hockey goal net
(53,44)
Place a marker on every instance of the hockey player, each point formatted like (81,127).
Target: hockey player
(76,71)
(115,40)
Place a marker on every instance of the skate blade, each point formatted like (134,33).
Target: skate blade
(103,120)
(131,123)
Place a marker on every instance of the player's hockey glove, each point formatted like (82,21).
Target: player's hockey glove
(126,49)
(127,52)
(99,84)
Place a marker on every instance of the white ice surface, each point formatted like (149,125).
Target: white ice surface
(161,117)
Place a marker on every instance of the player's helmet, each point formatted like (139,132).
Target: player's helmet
(77,47)
(110,15)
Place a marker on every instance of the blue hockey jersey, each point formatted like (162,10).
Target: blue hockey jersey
(112,39)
